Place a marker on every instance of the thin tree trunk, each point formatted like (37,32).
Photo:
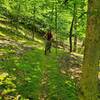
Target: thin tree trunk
(75,28)
(56,24)
(89,80)
(75,43)
(70,35)
(34,28)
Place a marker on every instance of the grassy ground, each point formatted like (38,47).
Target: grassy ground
(28,74)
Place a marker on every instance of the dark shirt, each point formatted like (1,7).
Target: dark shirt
(49,36)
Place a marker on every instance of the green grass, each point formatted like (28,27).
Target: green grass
(31,74)
(35,74)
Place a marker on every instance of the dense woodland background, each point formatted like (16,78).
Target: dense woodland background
(26,73)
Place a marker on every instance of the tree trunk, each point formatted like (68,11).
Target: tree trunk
(56,22)
(75,28)
(75,42)
(70,35)
(34,29)
(89,78)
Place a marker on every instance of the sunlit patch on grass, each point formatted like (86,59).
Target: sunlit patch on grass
(99,75)
(3,75)
(22,40)
(7,26)
(22,32)
(1,34)
(38,40)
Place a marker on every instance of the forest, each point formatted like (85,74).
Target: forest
(49,49)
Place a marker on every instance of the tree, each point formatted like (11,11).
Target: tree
(70,35)
(92,52)
(77,9)
(75,30)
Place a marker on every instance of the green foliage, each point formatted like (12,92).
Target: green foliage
(32,74)
(41,14)
(26,76)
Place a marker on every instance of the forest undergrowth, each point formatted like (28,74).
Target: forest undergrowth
(27,74)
